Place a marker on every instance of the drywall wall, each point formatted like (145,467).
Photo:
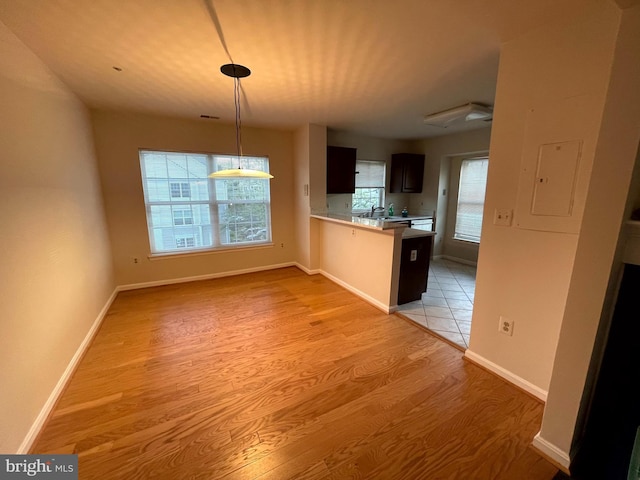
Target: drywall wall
(118,136)
(368,148)
(615,156)
(525,275)
(365,261)
(55,262)
(435,190)
(309,191)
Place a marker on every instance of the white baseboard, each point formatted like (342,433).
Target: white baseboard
(507,375)
(550,450)
(308,271)
(40,420)
(208,276)
(359,293)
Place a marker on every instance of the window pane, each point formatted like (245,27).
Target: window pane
(365,198)
(471,192)
(369,190)
(187,210)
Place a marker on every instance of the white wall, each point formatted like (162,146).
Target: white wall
(55,262)
(362,260)
(615,156)
(310,169)
(525,275)
(118,136)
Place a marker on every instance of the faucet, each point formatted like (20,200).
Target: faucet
(374,209)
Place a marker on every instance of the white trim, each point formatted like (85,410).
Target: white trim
(208,276)
(306,270)
(507,375)
(362,295)
(550,450)
(457,260)
(42,417)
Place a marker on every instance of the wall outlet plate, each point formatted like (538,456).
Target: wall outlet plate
(505,326)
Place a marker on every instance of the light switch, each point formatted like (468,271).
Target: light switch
(502,217)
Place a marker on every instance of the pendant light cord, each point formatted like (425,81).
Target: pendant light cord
(236,99)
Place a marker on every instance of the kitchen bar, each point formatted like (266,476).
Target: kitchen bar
(365,255)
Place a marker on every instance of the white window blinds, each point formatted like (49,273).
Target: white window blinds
(371,174)
(471,191)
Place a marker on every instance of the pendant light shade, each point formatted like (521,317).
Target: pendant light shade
(237,72)
(240,172)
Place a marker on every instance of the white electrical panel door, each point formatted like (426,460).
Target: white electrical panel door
(555,178)
(556,164)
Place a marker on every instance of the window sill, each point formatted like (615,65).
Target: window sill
(465,242)
(195,253)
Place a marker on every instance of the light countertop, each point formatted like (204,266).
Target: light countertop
(387,223)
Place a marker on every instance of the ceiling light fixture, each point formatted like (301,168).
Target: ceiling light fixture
(464,113)
(237,72)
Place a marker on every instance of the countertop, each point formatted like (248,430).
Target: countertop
(414,232)
(365,222)
(379,223)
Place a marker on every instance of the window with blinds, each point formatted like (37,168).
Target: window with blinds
(369,185)
(188,211)
(471,191)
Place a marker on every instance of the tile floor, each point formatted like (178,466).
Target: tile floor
(447,305)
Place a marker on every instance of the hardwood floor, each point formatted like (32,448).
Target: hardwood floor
(278,375)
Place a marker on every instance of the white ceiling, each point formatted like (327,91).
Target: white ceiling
(369,66)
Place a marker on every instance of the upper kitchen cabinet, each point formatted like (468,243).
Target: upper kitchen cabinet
(341,170)
(407,171)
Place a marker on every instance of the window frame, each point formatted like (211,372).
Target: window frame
(461,237)
(381,189)
(204,202)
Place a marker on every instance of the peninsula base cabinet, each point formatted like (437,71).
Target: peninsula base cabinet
(414,268)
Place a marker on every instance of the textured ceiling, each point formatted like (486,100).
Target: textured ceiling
(370,66)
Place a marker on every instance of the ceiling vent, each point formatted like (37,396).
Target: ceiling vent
(458,115)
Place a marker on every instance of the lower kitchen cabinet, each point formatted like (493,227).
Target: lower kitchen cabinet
(414,268)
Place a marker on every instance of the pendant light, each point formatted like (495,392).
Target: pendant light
(237,72)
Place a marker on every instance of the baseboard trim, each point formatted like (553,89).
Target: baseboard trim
(45,412)
(510,377)
(555,455)
(306,270)
(359,293)
(208,276)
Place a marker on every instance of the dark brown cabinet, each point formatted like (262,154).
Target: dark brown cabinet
(407,171)
(341,170)
(414,268)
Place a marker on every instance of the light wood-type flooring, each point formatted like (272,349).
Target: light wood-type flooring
(278,375)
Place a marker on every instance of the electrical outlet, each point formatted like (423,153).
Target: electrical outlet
(282,245)
(135,259)
(502,217)
(505,326)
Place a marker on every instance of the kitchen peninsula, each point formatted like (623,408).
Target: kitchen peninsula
(364,255)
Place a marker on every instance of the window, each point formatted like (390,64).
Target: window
(369,185)
(188,211)
(471,190)
(182,216)
(180,190)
